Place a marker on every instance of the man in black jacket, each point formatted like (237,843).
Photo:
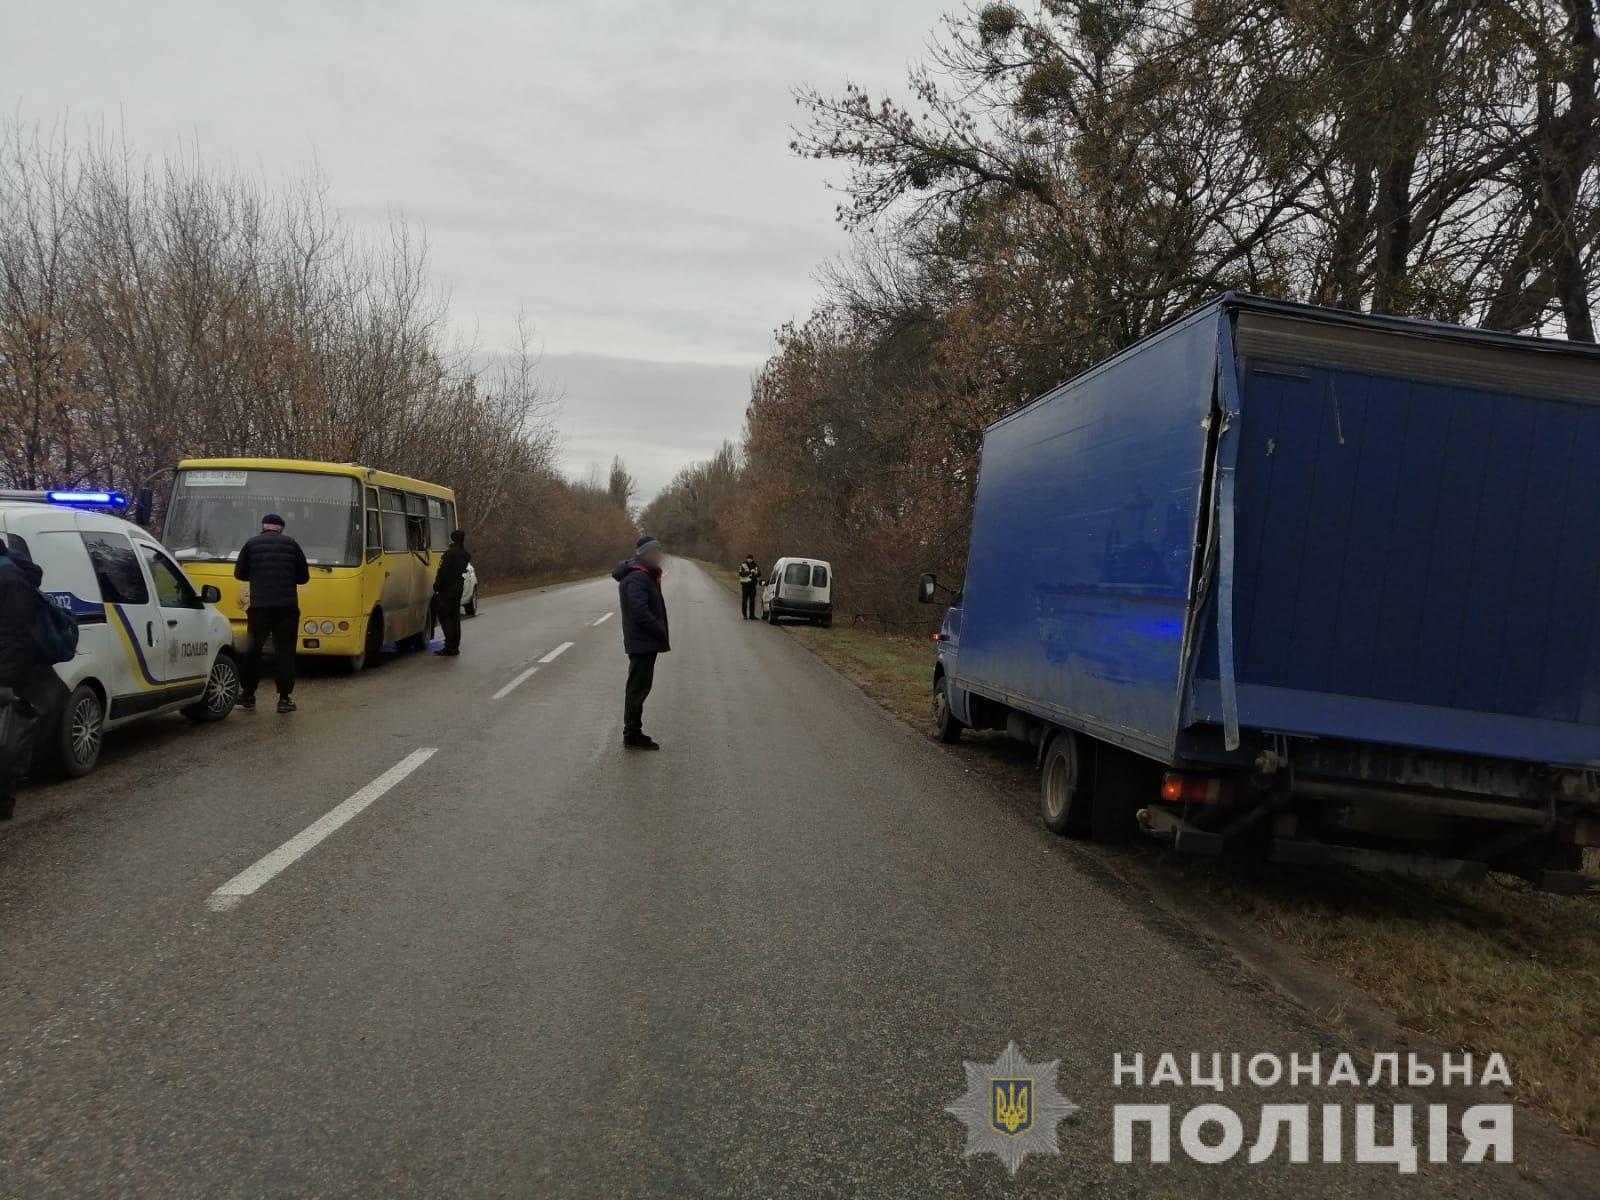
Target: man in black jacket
(447,585)
(21,657)
(644,634)
(274,566)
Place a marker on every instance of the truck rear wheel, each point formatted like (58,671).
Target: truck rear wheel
(1064,801)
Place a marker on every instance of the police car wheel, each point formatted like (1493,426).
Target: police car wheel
(222,689)
(81,732)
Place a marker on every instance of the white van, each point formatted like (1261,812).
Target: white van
(148,642)
(801,588)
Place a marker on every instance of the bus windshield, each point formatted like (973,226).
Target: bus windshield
(214,511)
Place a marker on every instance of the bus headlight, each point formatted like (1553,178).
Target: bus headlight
(327,627)
(309,627)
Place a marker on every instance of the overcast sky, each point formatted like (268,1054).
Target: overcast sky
(618,169)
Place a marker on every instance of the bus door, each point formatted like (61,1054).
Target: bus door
(399,567)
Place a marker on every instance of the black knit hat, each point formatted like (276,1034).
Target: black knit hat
(274,519)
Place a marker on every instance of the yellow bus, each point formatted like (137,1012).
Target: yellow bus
(373,541)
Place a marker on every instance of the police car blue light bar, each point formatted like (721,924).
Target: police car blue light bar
(97,499)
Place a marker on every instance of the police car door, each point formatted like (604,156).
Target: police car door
(138,630)
(187,659)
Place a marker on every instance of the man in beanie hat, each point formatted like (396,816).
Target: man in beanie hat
(644,634)
(274,566)
(447,586)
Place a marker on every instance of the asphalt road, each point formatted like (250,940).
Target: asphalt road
(749,965)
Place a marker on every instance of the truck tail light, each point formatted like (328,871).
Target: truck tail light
(1195,789)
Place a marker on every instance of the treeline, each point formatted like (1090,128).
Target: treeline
(151,311)
(1068,177)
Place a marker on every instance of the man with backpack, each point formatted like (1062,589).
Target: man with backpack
(23,654)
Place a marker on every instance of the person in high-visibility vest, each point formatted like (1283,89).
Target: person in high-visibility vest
(749,580)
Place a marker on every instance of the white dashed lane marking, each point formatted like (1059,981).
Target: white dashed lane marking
(248,881)
(556,653)
(515,684)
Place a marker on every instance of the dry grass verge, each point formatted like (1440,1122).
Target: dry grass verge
(1495,968)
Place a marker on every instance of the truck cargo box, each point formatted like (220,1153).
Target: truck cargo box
(1271,519)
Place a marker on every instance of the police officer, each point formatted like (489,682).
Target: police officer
(274,566)
(447,585)
(749,580)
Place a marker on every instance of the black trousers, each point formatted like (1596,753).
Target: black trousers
(283,626)
(447,607)
(747,599)
(641,674)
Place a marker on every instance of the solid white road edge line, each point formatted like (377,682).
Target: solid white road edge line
(556,653)
(261,872)
(602,619)
(514,684)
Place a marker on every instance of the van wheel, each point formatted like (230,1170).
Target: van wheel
(222,689)
(470,608)
(80,732)
(826,622)
(945,726)
(1064,801)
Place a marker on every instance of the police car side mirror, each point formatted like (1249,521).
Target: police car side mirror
(926,588)
(211,594)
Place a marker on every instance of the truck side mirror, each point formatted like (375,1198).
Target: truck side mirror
(925,589)
(143,503)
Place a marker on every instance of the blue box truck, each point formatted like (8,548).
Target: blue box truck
(1315,584)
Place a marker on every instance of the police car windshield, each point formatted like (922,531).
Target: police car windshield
(214,512)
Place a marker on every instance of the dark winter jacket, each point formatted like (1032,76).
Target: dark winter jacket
(644,611)
(20,651)
(274,566)
(452,570)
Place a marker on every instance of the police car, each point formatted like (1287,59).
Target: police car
(148,642)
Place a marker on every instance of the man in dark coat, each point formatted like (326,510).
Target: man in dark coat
(644,634)
(21,659)
(447,585)
(274,566)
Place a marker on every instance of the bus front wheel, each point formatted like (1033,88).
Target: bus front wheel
(371,645)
